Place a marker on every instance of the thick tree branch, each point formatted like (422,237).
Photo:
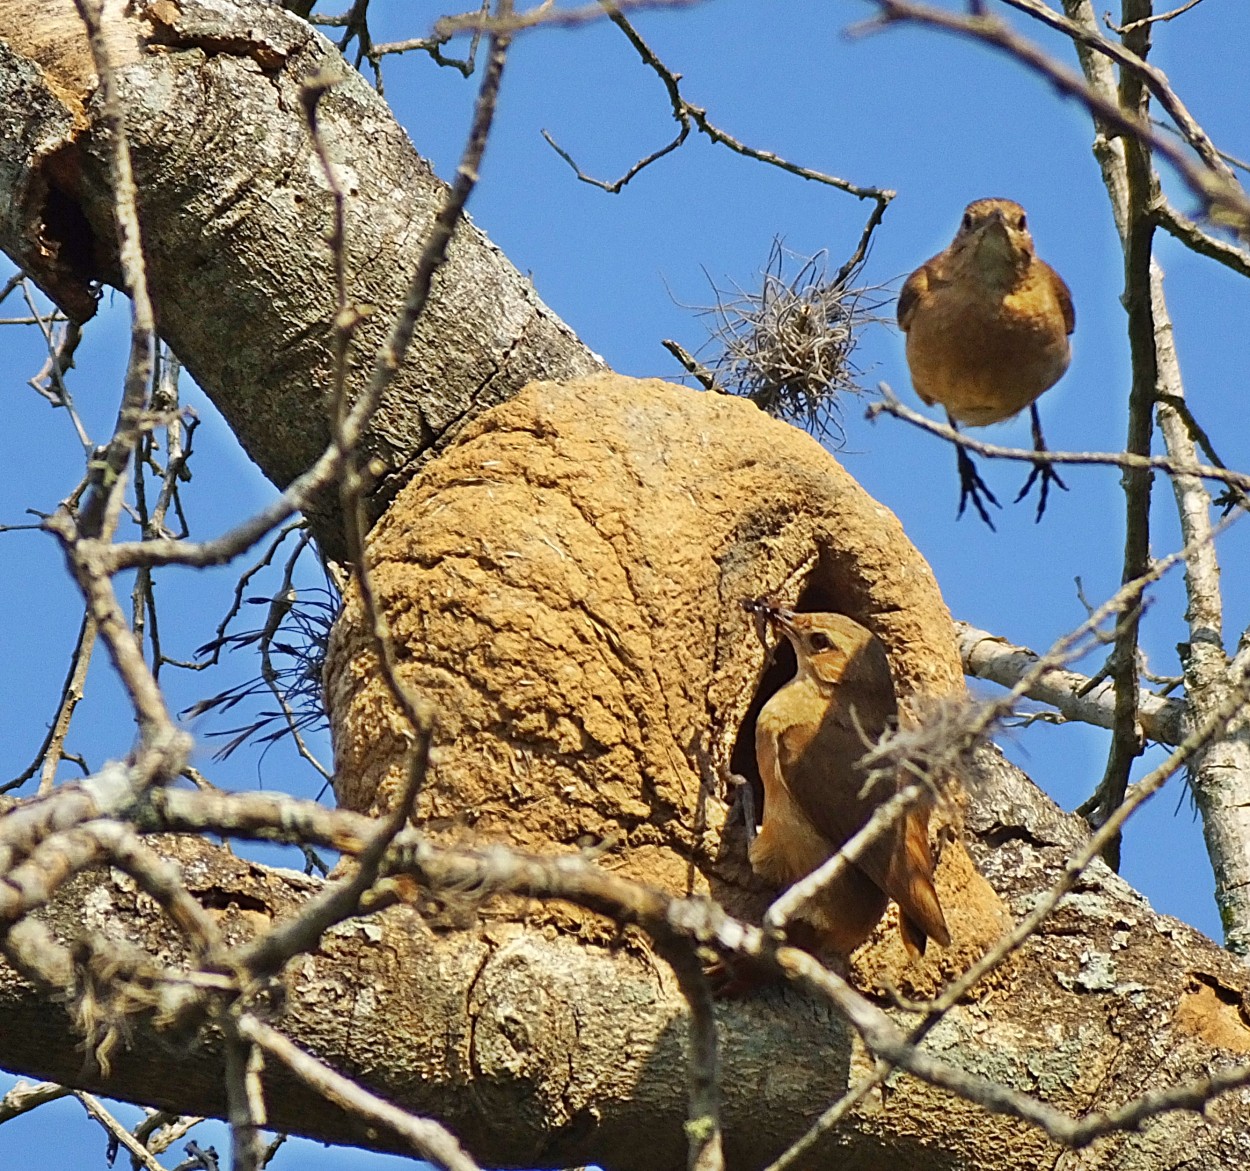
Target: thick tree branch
(987,656)
(217,140)
(1220,776)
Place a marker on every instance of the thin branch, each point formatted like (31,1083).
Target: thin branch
(1156,18)
(1127,741)
(24,1097)
(830,1118)
(1151,77)
(116,1131)
(699,116)
(160,1129)
(245,1102)
(1189,233)
(105,501)
(699,372)
(90,562)
(60,359)
(225,548)
(793,901)
(33,882)
(51,751)
(615,186)
(1218,193)
(703,1126)
(891,405)
(686,114)
(987,656)
(433,46)
(546,15)
(425,1138)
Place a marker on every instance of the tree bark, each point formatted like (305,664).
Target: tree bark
(544,1051)
(235,214)
(1219,777)
(539,1042)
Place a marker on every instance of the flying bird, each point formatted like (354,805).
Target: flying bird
(809,738)
(987,324)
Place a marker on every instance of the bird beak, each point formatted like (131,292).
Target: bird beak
(776,616)
(781,618)
(998,221)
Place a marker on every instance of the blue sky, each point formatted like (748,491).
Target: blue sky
(939,120)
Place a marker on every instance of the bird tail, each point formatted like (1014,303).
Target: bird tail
(917,935)
(920,917)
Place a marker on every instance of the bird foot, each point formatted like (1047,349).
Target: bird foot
(972,487)
(1041,467)
(1229,499)
(1047,474)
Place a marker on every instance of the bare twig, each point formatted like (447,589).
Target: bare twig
(890,405)
(1189,233)
(1131,57)
(686,114)
(1127,741)
(1156,18)
(24,1097)
(160,1129)
(106,500)
(245,1102)
(1220,194)
(703,1127)
(799,896)
(426,1138)
(50,380)
(699,372)
(51,751)
(117,1132)
(433,46)
(547,15)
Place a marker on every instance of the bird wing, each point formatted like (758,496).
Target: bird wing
(1065,298)
(914,288)
(824,783)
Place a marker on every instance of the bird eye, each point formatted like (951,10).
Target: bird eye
(967,221)
(1022,222)
(821,641)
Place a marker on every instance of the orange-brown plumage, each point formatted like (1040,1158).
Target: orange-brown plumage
(987,325)
(987,321)
(809,737)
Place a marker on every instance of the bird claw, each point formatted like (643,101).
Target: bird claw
(972,487)
(1041,467)
(1048,474)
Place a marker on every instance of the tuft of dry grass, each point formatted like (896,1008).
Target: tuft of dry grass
(788,345)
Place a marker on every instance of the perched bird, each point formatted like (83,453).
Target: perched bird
(987,327)
(808,740)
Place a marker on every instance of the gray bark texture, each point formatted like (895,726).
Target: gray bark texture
(236,213)
(543,1051)
(539,1041)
